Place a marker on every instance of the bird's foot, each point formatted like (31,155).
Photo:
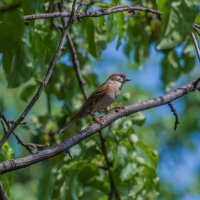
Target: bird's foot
(98,120)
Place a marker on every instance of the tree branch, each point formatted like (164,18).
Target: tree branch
(196,45)
(45,80)
(197,28)
(113,188)
(10,165)
(173,110)
(95,13)
(28,146)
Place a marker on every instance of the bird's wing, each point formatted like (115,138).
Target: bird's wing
(99,93)
(90,102)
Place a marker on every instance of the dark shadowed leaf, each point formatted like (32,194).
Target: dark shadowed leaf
(27,91)
(170,67)
(18,64)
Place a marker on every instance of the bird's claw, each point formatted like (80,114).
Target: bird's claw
(99,120)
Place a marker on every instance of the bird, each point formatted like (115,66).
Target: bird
(100,99)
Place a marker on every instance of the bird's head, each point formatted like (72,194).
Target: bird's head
(118,78)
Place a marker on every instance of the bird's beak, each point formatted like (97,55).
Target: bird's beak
(127,79)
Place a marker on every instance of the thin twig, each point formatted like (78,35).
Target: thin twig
(81,4)
(13,121)
(196,45)
(88,3)
(74,56)
(5,124)
(197,28)
(113,188)
(31,147)
(45,80)
(76,63)
(95,13)
(173,110)
(61,9)
(2,193)
(50,6)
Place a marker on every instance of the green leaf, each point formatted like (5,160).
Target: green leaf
(18,64)
(164,8)
(121,32)
(7,179)
(88,176)
(128,172)
(139,36)
(150,153)
(138,119)
(45,186)
(27,91)
(12,28)
(120,157)
(188,57)
(90,34)
(179,23)
(170,67)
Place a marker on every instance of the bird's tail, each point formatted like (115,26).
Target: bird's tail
(71,123)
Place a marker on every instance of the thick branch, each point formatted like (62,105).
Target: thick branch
(96,13)
(45,80)
(10,165)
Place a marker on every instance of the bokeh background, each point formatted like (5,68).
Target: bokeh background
(149,159)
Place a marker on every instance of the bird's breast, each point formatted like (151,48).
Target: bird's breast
(107,99)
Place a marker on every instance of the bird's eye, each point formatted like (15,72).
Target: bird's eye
(118,79)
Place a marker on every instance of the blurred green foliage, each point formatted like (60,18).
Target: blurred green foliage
(26,50)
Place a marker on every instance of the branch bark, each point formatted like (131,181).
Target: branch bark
(95,13)
(18,163)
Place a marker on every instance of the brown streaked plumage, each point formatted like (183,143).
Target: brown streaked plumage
(101,98)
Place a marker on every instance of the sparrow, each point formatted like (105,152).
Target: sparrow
(100,99)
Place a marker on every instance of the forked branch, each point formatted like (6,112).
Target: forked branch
(45,81)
